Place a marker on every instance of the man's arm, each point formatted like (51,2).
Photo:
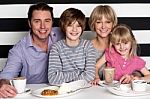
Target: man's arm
(12,67)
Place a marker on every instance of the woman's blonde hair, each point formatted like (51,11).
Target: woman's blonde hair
(100,11)
(123,33)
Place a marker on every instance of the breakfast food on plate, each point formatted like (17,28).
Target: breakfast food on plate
(64,88)
(49,92)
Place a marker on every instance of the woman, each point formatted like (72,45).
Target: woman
(102,19)
(122,55)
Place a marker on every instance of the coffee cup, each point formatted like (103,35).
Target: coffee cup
(19,83)
(125,87)
(139,85)
(109,75)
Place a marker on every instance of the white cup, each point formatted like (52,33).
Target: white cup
(139,85)
(19,83)
(125,87)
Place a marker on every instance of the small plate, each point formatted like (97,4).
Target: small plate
(104,84)
(129,93)
(27,91)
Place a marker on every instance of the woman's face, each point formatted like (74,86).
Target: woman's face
(103,27)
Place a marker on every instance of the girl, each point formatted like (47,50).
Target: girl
(121,55)
(72,58)
(102,19)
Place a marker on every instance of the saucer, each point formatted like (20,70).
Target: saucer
(129,93)
(27,91)
(104,84)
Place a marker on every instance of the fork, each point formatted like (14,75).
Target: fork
(72,91)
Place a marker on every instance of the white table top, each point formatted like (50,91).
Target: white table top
(94,92)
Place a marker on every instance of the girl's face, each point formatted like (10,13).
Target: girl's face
(73,31)
(103,27)
(123,48)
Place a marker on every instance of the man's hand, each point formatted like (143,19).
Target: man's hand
(6,90)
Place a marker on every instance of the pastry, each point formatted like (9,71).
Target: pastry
(49,92)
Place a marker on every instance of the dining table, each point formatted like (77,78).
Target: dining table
(93,92)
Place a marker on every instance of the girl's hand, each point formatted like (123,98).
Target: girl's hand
(136,78)
(125,79)
(95,81)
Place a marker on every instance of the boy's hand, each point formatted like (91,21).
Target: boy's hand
(95,81)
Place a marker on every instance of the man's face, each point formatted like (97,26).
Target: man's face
(41,24)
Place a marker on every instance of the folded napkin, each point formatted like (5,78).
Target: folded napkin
(73,86)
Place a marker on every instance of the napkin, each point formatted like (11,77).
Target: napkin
(73,86)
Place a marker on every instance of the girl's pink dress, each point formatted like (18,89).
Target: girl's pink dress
(123,66)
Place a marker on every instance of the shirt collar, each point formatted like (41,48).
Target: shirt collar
(29,40)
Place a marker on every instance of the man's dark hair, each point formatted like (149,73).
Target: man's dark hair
(39,6)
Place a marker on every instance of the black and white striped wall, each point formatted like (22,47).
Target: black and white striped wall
(13,20)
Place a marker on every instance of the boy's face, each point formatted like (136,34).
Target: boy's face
(73,31)
(41,24)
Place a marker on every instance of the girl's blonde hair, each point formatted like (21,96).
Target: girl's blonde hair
(100,11)
(123,33)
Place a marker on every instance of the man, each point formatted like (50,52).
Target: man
(29,57)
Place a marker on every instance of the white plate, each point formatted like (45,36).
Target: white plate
(27,91)
(130,93)
(102,83)
(38,92)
